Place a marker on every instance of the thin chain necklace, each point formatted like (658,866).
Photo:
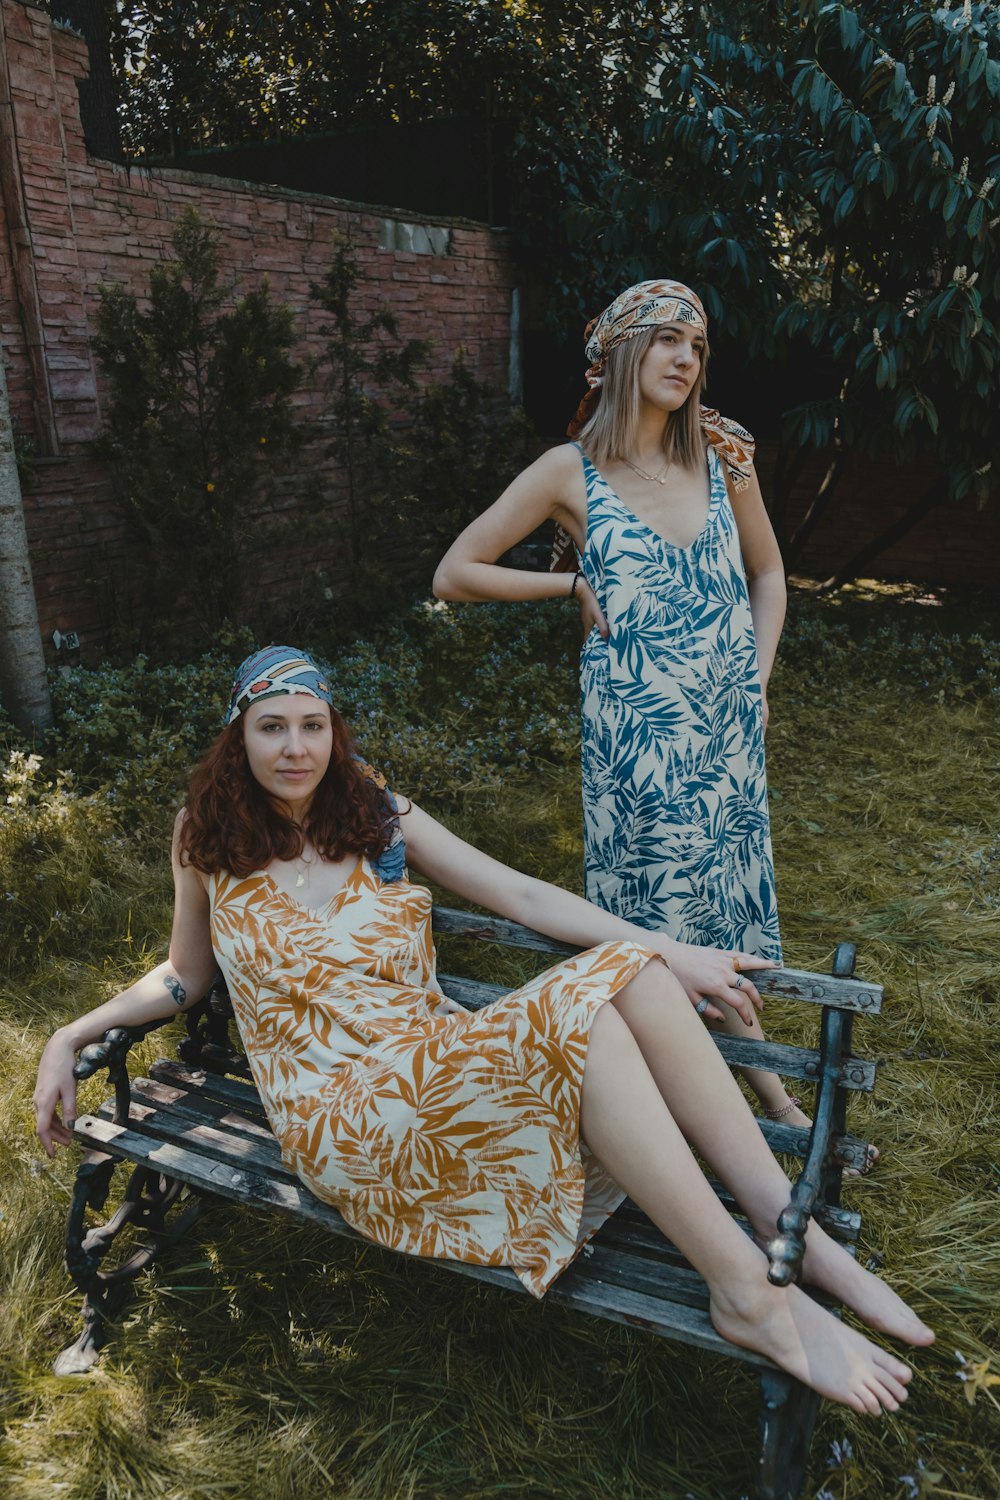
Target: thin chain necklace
(660,478)
(303,867)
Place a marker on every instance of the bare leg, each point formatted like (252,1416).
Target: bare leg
(768,1087)
(709,1109)
(771,1093)
(627,1124)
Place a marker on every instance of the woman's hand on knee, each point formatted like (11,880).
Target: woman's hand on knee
(715,976)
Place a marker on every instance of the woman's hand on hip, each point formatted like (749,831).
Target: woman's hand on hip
(591,613)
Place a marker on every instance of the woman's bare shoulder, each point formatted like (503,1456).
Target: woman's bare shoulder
(555,479)
(184,871)
(561,463)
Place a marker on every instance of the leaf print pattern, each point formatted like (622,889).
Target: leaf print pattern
(435,1133)
(676,827)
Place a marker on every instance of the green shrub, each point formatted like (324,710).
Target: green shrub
(131,733)
(201,386)
(63,860)
(946,665)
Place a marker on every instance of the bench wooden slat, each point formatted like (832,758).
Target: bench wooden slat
(842,1223)
(237,1093)
(597,1291)
(601,1299)
(791,984)
(186,1126)
(241,1096)
(776,1057)
(793,1062)
(240,1184)
(194,1104)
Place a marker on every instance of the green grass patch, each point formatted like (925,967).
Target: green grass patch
(263,1361)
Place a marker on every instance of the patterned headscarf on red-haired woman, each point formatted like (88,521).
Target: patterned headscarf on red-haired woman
(279,671)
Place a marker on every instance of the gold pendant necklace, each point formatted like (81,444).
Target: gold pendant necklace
(303,866)
(660,478)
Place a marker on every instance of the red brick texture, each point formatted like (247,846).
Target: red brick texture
(957,544)
(92,222)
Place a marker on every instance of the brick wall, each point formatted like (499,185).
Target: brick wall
(70,223)
(958,544)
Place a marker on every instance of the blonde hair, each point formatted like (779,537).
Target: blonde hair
(610,433)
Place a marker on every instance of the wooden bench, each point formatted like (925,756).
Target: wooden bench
(195,1132)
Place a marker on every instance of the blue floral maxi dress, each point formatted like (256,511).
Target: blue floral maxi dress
(676,828)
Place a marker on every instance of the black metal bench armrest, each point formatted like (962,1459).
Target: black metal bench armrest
(110,1052)
(786,1251)
(113,1048)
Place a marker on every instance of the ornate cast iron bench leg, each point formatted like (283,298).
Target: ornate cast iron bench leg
(789,1412)
(786,1428)
(149,1198)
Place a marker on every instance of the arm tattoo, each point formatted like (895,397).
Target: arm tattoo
(178,992)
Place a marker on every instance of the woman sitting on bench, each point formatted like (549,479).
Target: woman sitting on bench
(503,1137)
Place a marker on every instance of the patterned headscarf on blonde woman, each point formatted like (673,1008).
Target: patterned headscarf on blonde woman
(646,305)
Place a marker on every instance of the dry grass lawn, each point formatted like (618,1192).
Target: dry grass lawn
(276,1364)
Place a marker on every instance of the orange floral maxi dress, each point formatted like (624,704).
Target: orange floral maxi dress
(443,1134)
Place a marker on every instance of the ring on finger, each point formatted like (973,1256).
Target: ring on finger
(738,982)
(736,964)
(702,1006)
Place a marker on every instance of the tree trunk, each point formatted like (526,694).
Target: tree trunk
(921,507)
(24,690)
(787,470)
(817,509)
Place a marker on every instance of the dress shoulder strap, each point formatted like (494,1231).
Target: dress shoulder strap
(391,863)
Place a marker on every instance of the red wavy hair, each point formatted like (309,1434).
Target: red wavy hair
(232,824)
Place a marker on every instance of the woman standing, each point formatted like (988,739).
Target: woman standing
(682,591)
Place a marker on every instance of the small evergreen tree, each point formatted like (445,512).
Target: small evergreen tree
(414,464)
(200,408)
(371,379)
(466,444)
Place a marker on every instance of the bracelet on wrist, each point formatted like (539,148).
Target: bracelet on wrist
(576,579)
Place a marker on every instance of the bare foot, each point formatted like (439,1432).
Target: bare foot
(872,1155)
(829,1266)
(807,1342)
(795,1115)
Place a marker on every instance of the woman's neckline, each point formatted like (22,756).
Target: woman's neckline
(638,521)
(331,900)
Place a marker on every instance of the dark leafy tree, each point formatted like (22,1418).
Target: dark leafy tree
(828,173)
